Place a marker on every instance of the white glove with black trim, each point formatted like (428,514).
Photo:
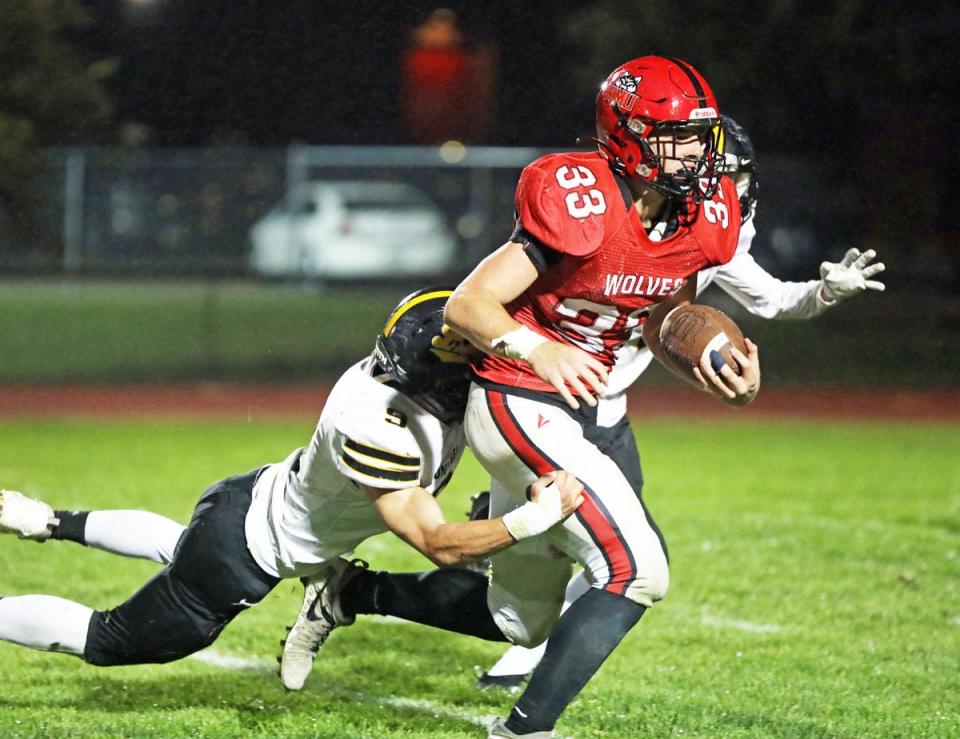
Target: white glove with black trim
(850,276)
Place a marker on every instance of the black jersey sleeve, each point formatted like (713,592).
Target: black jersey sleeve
(542,256)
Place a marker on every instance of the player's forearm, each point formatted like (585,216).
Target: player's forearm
(651,339)
(791,301)
(476,310)
(804,300)
(451,544)
(766,296)
(476,314)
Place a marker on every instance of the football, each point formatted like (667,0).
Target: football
(692,331)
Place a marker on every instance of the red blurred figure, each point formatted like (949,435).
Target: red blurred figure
(446,83)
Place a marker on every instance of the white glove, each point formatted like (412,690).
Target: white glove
(850,276)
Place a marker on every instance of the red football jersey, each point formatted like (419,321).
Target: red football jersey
(611,274)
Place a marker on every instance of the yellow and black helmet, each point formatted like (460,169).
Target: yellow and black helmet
(423,357)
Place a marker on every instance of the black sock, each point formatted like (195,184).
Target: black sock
(71,527)
(582,639)
(452,599)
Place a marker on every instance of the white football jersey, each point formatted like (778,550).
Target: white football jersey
(745,281)
(307,509)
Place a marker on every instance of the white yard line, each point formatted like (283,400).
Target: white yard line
(231,662)
(732,623)
(425,706)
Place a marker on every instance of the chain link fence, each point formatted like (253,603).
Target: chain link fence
(212,211)
(225,254)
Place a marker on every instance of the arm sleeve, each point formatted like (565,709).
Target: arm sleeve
(372,451)
(542,256)
(764,295)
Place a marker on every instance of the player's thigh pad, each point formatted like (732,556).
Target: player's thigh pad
(527,581)
(517,438)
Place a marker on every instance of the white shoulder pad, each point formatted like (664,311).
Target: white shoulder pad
(375,447)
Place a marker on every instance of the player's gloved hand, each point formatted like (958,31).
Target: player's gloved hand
(850,276)
(553,497)
(735,389)
(563,365)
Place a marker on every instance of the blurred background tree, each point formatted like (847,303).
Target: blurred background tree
(50,93)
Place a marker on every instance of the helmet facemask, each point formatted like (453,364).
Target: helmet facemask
(698,177)
(445,394)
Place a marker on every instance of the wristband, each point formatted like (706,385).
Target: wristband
(536,516)
(519,343)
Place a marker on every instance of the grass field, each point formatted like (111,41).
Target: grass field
(815,593)
(143,331)
(55,331)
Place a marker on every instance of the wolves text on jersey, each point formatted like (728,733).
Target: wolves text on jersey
(651,287)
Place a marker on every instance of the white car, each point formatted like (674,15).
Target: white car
(353,228)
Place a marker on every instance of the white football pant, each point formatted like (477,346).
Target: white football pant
(517,439)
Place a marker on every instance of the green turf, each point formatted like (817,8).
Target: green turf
(815,593)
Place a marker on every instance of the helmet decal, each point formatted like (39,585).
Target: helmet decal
(699,114)
(622,92)
(449,346)
(628,82)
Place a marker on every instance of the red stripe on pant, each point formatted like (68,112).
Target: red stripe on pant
(518,441)
(607,538)
(604,534)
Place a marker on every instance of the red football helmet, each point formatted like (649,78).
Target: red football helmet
(656,97)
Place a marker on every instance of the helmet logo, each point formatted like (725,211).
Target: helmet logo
(627,82)
(623,92)
(699,114)
(449,346)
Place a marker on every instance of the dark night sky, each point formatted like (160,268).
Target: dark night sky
(326,72)
(321,72)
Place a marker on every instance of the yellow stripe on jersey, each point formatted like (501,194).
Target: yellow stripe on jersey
(398,313)
(380,464)
(378,457)
(377,475)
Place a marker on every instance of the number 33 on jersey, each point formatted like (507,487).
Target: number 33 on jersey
(610,273)
(581,204)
